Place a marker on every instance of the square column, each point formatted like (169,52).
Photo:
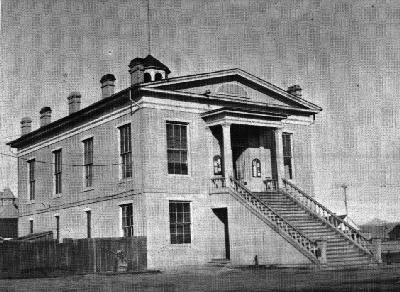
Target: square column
(226,138)
(280,169)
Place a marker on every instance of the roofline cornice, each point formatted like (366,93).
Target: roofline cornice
(237,72)
(75,117)
(222,100)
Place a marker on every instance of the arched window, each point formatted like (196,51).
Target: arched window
(217,165)
(157,77)
(147,77)
(256,168)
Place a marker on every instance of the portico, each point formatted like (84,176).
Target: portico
(250,146)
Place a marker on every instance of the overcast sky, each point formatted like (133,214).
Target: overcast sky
(344,54)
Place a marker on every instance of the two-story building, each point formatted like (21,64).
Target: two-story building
(198,164)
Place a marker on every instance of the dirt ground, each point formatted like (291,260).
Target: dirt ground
(386,278)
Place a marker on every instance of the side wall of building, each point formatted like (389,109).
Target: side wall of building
(248,235)
(106,219)
(107,182)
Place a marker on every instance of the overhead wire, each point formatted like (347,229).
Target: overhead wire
(53,163)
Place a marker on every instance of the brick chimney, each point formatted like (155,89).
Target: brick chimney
(74,102)
(45,116)
(26,125)
(137,73)
(107,85)
(294,90)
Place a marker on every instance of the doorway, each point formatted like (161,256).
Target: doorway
(222,214)
(253,153)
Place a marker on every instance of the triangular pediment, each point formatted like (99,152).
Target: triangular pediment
(235,84)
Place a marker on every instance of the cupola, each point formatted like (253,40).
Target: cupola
(147,69)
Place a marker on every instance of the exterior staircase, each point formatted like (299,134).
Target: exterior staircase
(313,229)
(340,251)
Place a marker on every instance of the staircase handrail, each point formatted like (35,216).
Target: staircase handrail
(308,243)
(359,238)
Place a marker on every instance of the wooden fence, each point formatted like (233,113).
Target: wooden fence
(74,255)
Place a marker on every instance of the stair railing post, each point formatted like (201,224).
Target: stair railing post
(322,245)
(377,244)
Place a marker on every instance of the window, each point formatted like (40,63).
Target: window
(58,227)
(127,220)
(287,155)
(89,223)
(31,174)
(157,77)
(126,151)
(147,77)
(177,148)
(88,161)
(57,171)
(256,168)
(179,222)
(217,165)
(31,226)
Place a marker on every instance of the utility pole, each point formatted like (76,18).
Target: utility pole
(344,187)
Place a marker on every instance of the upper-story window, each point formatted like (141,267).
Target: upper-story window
(256,168)
(57,171)
(217,165)
(287,155)
(31,177)
(126,151)
(88,161)
(177,148)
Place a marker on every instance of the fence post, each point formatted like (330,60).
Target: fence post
(94,255)
(377,244)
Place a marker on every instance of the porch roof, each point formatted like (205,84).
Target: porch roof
(243,116)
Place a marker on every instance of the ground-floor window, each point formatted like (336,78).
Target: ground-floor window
(31,226)
(127,220)
(179,222)
(89,223)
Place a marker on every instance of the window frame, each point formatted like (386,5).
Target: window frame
(217,164)
(88,162)
(180,150)
(127,230)
(125,157)
(57,217)
(57,172)
(179,238)
(31,165)
(288,158)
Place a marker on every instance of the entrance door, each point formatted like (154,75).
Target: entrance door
(253,157)
(222,214)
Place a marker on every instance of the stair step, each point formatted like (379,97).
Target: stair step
(280,203)
(313,229)
(347,259)
(345,251)
(303,220)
